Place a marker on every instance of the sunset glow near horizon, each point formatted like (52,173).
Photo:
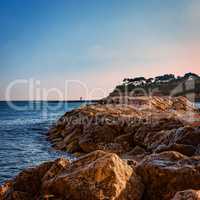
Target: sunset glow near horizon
(94,44)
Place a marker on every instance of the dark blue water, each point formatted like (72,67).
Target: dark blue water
(23,134)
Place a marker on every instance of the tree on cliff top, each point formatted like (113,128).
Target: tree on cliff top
(191,75)
(165,78)
(135,81)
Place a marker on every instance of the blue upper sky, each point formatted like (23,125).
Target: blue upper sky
(97,42)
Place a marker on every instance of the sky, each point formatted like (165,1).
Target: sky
(66,49)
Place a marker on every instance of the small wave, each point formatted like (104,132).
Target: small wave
(198,105)
(22,139)
(20,121)
(26,121)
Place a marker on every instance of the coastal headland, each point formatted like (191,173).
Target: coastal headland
(145,150)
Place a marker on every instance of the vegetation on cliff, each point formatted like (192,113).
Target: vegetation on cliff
(165,85)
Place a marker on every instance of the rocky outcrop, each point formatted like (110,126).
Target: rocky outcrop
(100,175)
(149,150)
(120,128)
(97,175)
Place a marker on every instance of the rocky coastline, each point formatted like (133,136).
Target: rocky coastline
(148,149)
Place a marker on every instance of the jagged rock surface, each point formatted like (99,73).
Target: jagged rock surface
(120,128)
(166,173)
(97,175)
(151,151)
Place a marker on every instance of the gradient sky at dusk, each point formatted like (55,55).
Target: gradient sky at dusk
(96,42)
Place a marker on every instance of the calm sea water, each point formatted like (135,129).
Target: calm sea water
(22,134)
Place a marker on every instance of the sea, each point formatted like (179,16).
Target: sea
(23,129)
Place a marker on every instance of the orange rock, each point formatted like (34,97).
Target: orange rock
(97,175)
(168,172)
(5,189)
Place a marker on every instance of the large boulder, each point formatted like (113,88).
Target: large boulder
(154,133)
(188,135)
(188,150)
(27,184)
(94,135)
(29,180)
(183,139)
(168,172)
(97,175)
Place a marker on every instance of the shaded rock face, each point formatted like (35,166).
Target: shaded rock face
(26,185)
(187,194)
(98,175)
(185,140)
(166,173)
(187,150)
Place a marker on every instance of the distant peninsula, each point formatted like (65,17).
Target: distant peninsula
(164,85)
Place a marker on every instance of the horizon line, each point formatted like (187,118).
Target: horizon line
(18,100)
